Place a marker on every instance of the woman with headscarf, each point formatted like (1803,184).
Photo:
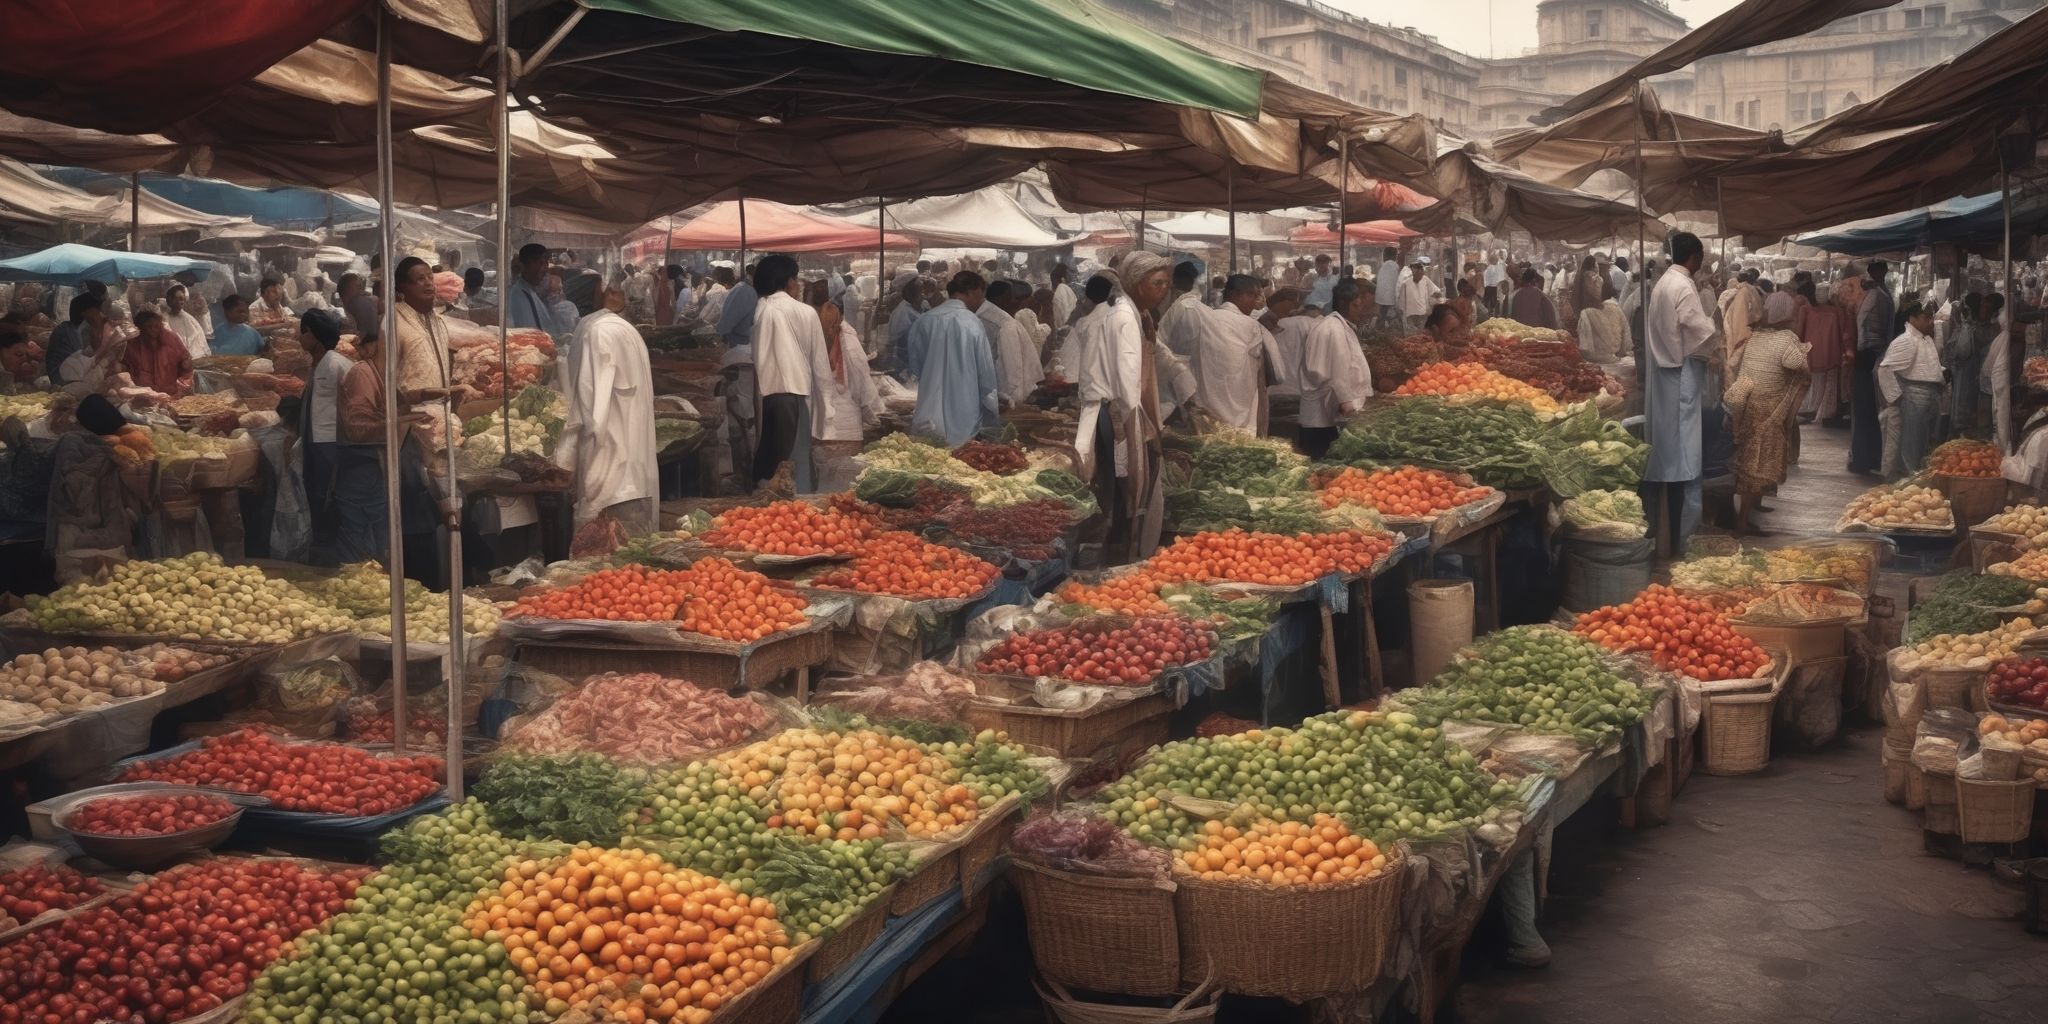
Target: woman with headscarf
(1829,331)
(1589,289)
(92,516)
(1764,400)
(839,422)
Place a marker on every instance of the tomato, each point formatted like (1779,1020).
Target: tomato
(322,777)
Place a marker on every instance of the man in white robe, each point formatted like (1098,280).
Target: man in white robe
(1180,327)
(183,324)
(1677,331)
(1231,360)
(608,437)
(1016,351)
(1335,379)
(790,359)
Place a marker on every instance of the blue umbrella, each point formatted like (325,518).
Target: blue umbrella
(74,262)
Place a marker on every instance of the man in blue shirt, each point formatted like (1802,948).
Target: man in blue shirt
(526,305)
(236,337)
(79,333)
(736,320)
(955,365)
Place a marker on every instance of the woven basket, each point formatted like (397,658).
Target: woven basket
(985,844)
(1951,687)
(1941,811)
(2001,764)
(1895,773)
(1296,942)
(1916,787)
(1994,812)
(1738,727)
(1103,934)
(933,877)
(1197,1007)
(848,943)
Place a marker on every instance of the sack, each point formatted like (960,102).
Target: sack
(1598,573)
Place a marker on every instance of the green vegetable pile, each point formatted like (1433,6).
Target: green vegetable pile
(895,463)
(1606,509)
(584,798)
(1387,776)
(1964,602)
(1739,571)
(1245,481)
(1236,620)
(1538,677)
(670,431)
(1502,446)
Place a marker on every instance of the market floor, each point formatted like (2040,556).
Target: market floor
(1794,895)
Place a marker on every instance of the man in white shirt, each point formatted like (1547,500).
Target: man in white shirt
(1289,328)
(1909,380)
(1335,379)
(1617,275)
(1322,284)
(1676,334)
(714,295)
(1387,288)
(789,359)
(1232,358)
(270,303)
(1064,297)
(183,323)
(1180,327)
(1016,352)
(608,435)
(1417,294)
(1495,281)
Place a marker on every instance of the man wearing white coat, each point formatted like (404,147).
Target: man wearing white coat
(1231,358)
(1016,352)
(1677,330)
(1335,378)
(608,437)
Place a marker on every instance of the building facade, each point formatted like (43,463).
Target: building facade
(1579,44)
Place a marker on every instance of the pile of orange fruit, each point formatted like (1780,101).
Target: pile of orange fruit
(1473,381)
(1284,853)
(1680,634)
(1134,593)
(1271,559)
(788,528)
(853,785)
(905,565)
(624,933)
(1407,491)
(1963,457)
(713,597)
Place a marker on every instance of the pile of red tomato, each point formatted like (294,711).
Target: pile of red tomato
(323,778)
(149,815)
(187,941)
(712,597)
(1130,654)
(1680,634)
(1272,559)
(905,565)
(28,893)
(788,528)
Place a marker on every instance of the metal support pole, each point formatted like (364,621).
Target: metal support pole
(742,268)
(881,269)
(1230,198)
(2015,347)
(504,200)
(1343,192)
(394,558)
(1144,204)
(135,211)
(1721,222)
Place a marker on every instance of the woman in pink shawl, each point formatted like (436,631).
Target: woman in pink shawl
(1829,331)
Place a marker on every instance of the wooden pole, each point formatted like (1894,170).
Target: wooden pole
(1230,197)
(1144,204)
(742,268)
(2015,347)
(1343,192)
(135,211)
(394,559)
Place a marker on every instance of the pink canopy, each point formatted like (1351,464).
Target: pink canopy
(1370,232)
(771,227)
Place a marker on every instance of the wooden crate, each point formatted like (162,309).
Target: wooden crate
(1065,733)
(719,669)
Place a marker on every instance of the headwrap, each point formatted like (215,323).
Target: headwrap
(1133,266)
(1778,308)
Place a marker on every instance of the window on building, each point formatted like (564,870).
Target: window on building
(1756,112)
(1287,53)
(1707,111)
(1819,108)
(1593,24)
(1794,70)
(1400,78)
(1798,108)
(1912,18)
(1336,53)
(1287,14)
(1936,14)
(1336,89)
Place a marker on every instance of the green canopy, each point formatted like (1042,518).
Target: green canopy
(1066,41)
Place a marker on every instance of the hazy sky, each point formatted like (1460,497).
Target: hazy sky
(1464,24)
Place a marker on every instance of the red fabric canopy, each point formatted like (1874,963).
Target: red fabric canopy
(1371,232)
(771,227)
(137,65)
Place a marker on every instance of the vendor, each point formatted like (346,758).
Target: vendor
(1444,325)
(1234,357)
(79,334)
(421,363)
(92,514)
(1909,381)
(18,368)
(1335,378)
(270,302)
(183,324)
(360,529)
(320,428)
(839,425)
(236,337)
(156,358)
(950,354)
(608,436)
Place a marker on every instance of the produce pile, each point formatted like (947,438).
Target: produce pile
(1555,367)
(2029,523)
(364,591)
(1974,651)
(904,565)
(1606,510)
(178,445)
(1965,457)
(1795,603)
(1502,328)
(1680,634)
(794,528)
(641,718)
(1110,652)
(897,463)
(2030,565)
(27,407)
(1472,382)
(1384,775)
(712,597)
(993,457)
(1028,530)
(1901,506)
(1537,677)
(1283,853)
(137,816)
(1238,556)
(1407,491)
(133,447)
(192,597)
(1392,362)
(185,942)
(538,415)
(1502,446)
(475,362)
(27,893)
(2020,681)
(1849,563)
(197,405)
(1964,602)
(1742,570)
(670,431)
(62,680)
(322,778)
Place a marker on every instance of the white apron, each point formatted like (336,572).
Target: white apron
(1675,445)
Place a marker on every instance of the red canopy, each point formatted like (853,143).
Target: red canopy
(1370,232)
(771,227)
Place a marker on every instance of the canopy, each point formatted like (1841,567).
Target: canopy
(1208,224)
(1975,222)
(1499,198)
(1751,23)
(284,206)
(1627,132)
(27,197)
(1371,232)
(74,262)
(771,227)
(989,217)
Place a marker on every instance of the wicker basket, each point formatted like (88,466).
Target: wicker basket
(934,876)
(1104,934)
(1972,499)
(2002,764)
(1941,814)
(848,943)
(1066,733)
(1197,1007)
(1297,942)
(1951,687)
(776,999)
(1895,773)
(1916,787)
(1994,812)
(1738,727)
(985,844)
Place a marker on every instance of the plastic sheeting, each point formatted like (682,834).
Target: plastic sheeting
(1976,222)
(27,197)
(988,217)
(73,262)
(770,227)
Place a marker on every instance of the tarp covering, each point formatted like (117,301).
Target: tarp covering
(1499,198)
(284,206)
(1208,224)
(1975,222)
(1751,23)
(1371,232)
(138,65)
(27,197)
(987,217)
(771,227)
(1673,149)
(74,262)
(1057,40)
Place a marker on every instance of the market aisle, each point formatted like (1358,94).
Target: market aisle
(1818,488)
(1793,895)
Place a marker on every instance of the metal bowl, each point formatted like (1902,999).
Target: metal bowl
(149,851)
